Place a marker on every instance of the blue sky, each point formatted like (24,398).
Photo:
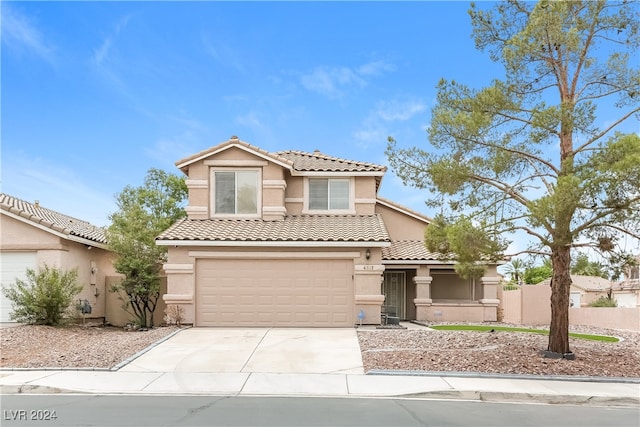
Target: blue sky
(96,93)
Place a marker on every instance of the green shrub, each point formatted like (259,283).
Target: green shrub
(604,302)
(45,297)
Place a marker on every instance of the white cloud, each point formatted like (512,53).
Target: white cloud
(377,125)
(20,35)
(399,110)
(333,82)
(376,68)
(223,54)
(167,151)
(250,120)
(101,54)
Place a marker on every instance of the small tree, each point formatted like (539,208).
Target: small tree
(45,297)
(144,212)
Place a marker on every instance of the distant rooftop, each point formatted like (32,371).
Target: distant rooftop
(56,221)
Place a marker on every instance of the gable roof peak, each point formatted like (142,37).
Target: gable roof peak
(234,141)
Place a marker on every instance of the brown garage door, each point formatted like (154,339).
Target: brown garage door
(276,292)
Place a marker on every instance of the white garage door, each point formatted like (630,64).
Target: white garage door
(626,300)
(13,266)
(275,292)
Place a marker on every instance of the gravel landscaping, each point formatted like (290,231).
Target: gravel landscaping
(498,352)
(31,346)
(386,349)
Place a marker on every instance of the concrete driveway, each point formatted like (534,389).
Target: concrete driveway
(254,350)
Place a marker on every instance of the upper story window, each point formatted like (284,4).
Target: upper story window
(235,192)
(329,194)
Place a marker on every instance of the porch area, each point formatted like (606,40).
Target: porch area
(438,294)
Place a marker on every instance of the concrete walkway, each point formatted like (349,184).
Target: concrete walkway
(335,385)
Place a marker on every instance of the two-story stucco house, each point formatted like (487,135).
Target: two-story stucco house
(302,239)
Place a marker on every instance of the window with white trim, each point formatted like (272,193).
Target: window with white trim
(235,192)
(329,194)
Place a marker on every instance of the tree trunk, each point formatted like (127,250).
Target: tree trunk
(560,291)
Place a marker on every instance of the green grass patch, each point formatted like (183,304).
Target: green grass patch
(483,328)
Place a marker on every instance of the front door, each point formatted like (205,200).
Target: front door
(394,289)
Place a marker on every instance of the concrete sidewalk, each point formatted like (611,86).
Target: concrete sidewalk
(326,385)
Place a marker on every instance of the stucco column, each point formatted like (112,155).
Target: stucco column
(368,292)
(180,289)
(423,296)
(490,299)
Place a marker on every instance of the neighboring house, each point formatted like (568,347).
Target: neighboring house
(31,235)
(302,239)
(586,289)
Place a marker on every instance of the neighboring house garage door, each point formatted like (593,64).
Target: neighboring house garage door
(13,265)
(626,300)
(274,292)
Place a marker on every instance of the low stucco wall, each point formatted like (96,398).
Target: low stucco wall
(460,312)
(531,305)
(606,317)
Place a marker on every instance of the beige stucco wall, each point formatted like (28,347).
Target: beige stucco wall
(449,286)
(457,312)
(15,235)
(294,194)
(624,318)
(531,305)
(401,226)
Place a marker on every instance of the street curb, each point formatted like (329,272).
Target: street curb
(478,396)
(35,389)
(550,399)
(573,378)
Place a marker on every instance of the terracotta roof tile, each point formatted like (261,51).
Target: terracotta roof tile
(318,162)
(408,250)
(586,283)
(54,220)
(294,228)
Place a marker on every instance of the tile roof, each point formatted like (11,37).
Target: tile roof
(408,250)
(586,283)
(294,228)
(295,160)
(51,219)
(319,162)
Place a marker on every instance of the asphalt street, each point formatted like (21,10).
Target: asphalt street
(126,410)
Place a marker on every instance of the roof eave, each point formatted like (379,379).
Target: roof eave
(56,230)
(233,143)
(274,244)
